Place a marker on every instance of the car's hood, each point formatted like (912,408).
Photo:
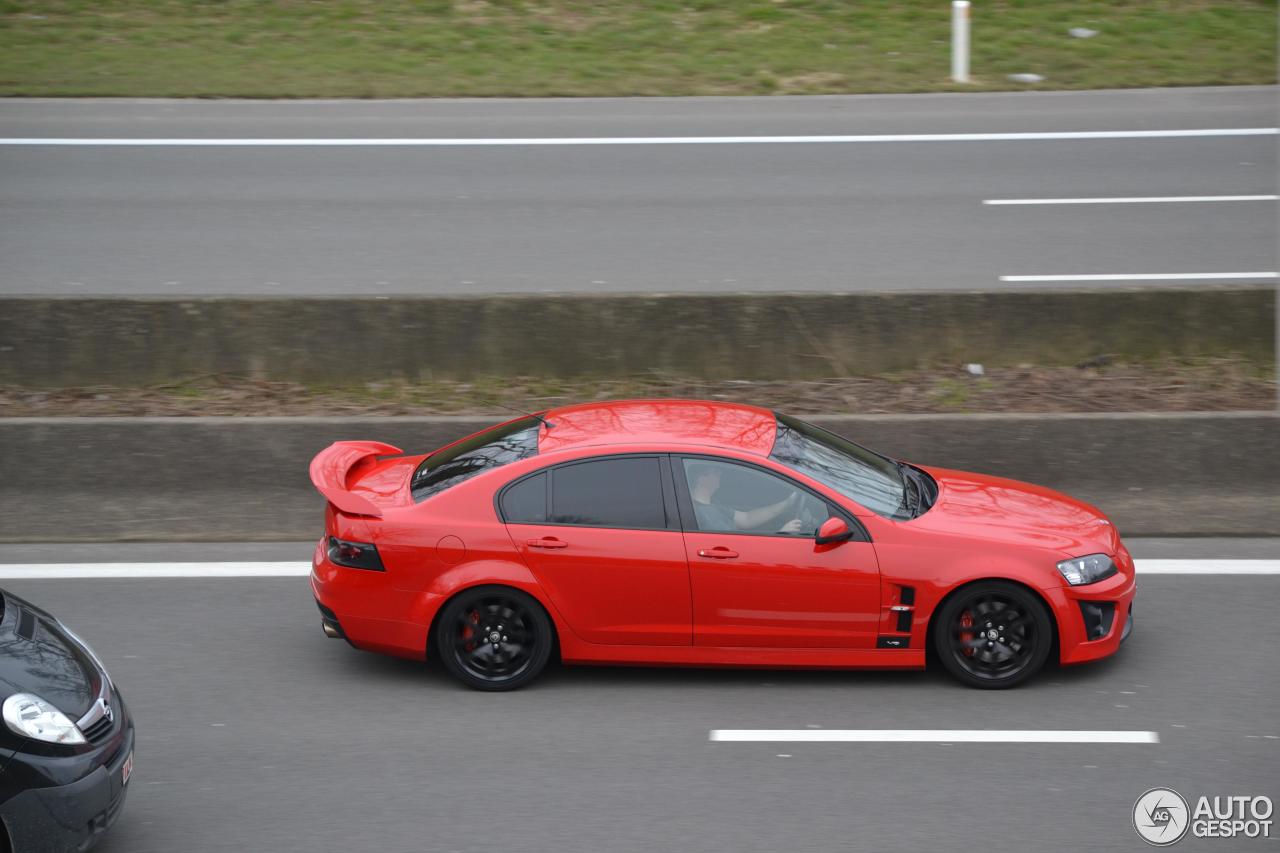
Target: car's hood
(1017,512)
(37,656)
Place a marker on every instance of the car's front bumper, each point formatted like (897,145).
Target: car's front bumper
(71,817)
(1076,606)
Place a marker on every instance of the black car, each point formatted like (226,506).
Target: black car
(66,739)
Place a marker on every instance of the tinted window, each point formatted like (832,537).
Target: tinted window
(489,449)
(624,492)
(526,501)
(855,472)
(730,498)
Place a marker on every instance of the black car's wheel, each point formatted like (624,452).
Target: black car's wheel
(993,634)
(494,638)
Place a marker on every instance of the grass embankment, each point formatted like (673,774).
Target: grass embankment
(437,48)
(1098,385)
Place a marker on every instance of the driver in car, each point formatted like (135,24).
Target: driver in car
(705,482)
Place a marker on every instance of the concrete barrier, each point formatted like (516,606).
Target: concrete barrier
(66,342)
(229,479)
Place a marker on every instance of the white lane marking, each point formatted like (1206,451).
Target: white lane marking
(64,571)
(929,736)
(1155,199)
(647,140)
(1146,276)
(1208,567)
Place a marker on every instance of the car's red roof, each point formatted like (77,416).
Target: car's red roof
(696,422)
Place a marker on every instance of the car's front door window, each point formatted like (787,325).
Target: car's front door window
(729,498)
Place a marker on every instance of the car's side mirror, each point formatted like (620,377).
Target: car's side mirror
(833,531)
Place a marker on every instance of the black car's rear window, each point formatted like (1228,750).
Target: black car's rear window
(492,448)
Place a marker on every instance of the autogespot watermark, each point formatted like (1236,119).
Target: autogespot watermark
(1162,817)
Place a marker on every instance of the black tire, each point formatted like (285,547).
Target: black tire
(494,638)
(963,639)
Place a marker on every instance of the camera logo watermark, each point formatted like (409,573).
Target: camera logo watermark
(1162,817)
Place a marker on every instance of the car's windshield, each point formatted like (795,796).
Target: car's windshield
(489,449)
(861,475)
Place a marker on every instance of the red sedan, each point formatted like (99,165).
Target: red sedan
(688,533)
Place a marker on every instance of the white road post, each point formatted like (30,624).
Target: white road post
(960,41)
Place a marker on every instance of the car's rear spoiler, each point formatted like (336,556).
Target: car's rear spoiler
(329,473)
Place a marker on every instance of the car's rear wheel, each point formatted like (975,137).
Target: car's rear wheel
(993,634)
(494,638)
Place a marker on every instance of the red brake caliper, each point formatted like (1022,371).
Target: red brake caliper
(966,625)
(468,633)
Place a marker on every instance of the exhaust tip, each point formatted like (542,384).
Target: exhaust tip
(331,631)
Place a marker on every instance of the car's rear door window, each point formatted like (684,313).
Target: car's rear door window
(525,502)
(616,492)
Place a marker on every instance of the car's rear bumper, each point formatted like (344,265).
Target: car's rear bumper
(366,610)
(69,817)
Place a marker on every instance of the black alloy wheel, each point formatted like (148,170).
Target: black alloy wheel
(493,638)
(993,634)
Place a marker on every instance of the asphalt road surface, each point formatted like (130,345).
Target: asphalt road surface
(257,733)
(253,219)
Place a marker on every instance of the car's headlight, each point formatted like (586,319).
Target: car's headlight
(1083,570)
(31,716)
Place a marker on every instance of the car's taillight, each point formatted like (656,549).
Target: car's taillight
(355,555)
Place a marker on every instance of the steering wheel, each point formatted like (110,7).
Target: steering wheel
(804,514)
(808,518)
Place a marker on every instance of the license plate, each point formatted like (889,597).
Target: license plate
(126,769)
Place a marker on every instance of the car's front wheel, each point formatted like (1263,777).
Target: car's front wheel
(494,638)
(993,634)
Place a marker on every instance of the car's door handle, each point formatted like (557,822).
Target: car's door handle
(718,553)
(546,542)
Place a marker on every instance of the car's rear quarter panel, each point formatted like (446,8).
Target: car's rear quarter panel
(430,551)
